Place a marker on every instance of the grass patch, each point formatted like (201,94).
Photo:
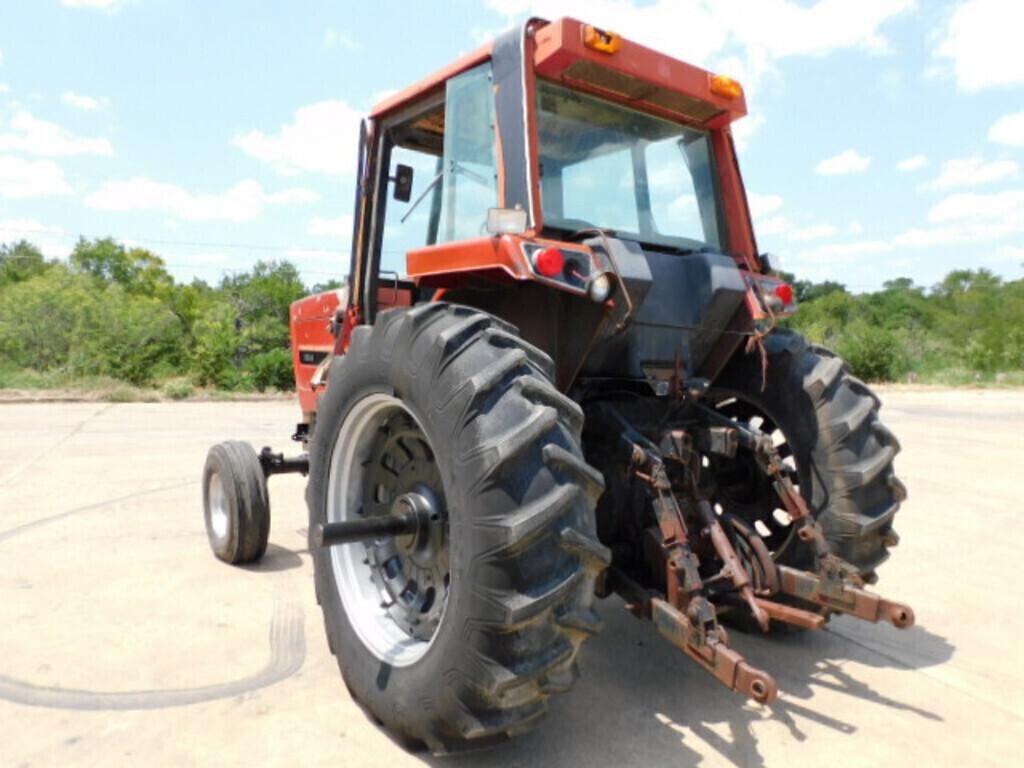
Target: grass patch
(178,389)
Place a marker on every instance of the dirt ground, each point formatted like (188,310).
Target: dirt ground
(124,642)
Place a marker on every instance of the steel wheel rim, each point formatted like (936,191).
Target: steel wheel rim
(219,518)
(373,603)
(775,527)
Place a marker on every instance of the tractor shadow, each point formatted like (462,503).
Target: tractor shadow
(640,701)
(275,559)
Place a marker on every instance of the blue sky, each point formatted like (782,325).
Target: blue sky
(885,138)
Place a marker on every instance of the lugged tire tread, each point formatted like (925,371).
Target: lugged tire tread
(864,471)
(822,376)
(530,521)
(594,554)
(537,627)
(576,468)
(518,608)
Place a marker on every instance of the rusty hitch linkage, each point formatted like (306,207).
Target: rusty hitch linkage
(835,584)
(685,616)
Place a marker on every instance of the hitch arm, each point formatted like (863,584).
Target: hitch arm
(844,599)
(728,666)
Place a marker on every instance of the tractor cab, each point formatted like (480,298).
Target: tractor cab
(572,182)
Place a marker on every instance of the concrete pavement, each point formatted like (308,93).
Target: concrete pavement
(124,642)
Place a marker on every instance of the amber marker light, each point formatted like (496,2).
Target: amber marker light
(725,86)
(601,39)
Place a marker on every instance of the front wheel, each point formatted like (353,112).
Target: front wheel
(462,630)
(236,505)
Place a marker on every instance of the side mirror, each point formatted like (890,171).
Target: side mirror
(506,221)
(403,183)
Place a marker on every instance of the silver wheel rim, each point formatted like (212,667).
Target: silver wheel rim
(219,518)
(363,596)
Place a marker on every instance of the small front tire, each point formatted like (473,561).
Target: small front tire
(236,504)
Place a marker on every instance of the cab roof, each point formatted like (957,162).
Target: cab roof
(601,62)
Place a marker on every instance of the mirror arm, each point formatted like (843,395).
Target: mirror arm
(422,195)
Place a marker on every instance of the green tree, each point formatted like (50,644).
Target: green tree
(136,270)
(20,261)
(262,300)
(217,343)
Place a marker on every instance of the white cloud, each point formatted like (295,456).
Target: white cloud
(337,227)
(761,205)
(813,232)
(243,202)
(773,225)
(4,88)
(54,242)
(1005,206)
(856,248)
(21,178)
(80,101)
(340,38)
(855,228)
(39,137)
(912,163)
(683,207)
(969,218)
(973,171)
(983,44)
(848,161)
(321,139)
(744,129)
(1008,129)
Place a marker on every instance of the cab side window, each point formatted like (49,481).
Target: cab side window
(470,157)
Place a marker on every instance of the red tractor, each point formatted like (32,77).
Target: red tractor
(574,385)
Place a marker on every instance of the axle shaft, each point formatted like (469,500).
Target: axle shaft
(330,534)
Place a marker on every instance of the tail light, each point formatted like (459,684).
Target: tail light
(785,292)
(769,295)
(549,262)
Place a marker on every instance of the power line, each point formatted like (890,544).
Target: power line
(157,241)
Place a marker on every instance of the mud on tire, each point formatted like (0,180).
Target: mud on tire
(520,504)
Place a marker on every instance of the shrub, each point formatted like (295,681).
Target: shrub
(216,346)
(873,353)
(272,370)
(178,389)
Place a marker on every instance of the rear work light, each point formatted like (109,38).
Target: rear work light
(549,262)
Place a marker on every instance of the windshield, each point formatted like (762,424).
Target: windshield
(608,166)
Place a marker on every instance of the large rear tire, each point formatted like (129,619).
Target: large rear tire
(830,429)
(516,553)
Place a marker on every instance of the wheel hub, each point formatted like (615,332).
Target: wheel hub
(411,571)
(394,587)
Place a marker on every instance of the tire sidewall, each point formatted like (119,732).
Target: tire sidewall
(218,464)
(408,694)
